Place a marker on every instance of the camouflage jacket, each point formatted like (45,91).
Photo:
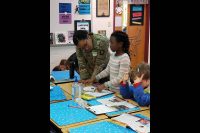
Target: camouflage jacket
(93,62)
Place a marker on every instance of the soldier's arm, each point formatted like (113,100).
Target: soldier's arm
(82,65)
(101,59)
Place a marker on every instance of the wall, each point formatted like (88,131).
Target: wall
(102,23)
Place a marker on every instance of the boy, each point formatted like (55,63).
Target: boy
(140,90)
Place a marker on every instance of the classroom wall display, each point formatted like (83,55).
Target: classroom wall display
(102,32)
(138,1)
(82,25)
(103,8)
(119,9)
(51,38)
(70,36)
(60,37)
(136,14)
(65,16)
(84,7)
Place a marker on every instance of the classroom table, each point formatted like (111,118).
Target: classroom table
(66,130)
(66,87)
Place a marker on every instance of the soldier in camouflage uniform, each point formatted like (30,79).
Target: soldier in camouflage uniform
(92,53)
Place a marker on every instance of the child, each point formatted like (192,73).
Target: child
(119,62)
(65,64)
(140,91)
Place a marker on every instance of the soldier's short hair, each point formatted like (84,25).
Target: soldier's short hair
(79,35)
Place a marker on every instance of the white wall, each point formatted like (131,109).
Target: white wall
(105,23)
(101,23)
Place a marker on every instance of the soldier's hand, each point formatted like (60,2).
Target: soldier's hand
(101,87)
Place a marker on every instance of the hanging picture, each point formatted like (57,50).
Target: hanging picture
(119,9)
(136,14)
(65,16)
(82,25)
(70,36)
(65,7)
(51,39)
(84,7)
(103,8)
(60,37)
(138,1)
(102,32)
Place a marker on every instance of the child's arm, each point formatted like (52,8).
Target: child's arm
(104,73)
(124,90)
(143,99)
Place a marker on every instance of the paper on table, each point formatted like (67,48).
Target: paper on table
(101,109)
(51,87)
(99,94)
(134,122)
(89,89)
(114,101)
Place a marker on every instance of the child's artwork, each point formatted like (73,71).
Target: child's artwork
(51,39)
(61,37)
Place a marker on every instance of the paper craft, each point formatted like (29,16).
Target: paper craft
(137,123)
(101,127)
(99,94)
(101,109)
(89,89)
(87,97)
(116,102)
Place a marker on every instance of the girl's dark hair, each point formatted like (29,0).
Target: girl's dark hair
(122,37)
(79,35)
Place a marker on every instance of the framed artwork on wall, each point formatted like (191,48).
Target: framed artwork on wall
(103,8)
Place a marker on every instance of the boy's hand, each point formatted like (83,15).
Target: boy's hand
(101,87)
(138,79)
(125,78)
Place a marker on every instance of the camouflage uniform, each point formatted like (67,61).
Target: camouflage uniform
(93,62)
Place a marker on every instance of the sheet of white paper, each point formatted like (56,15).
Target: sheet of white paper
(101,109)
(51,87)
(99,94)
(112,101)
(133,122)
(89,89)
(118,21)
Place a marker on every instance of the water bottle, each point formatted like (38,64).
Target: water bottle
(75,89)
(71,70)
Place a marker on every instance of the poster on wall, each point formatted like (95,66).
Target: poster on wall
(136,15)
(60,37)
(103,8)
(82,25)
(65,7)
(84,7)
(119,8)
(65,16)
(70,36)
(51,39)
(102,32)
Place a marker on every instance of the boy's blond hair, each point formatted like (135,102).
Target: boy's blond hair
(142,68)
